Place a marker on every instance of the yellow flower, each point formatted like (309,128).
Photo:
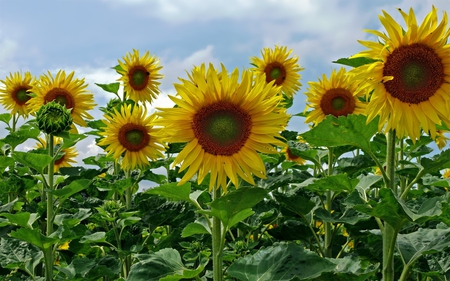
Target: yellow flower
(64,246)
(277,66)
(410,77)
(446,174)
(338,96)
(225,123)
(65,90)
(140,76)
(68,155)
(292,157)
(441,139)
(131,132)
(15,95)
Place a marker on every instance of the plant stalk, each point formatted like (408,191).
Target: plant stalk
(328,207)
(217,242)
(49,252)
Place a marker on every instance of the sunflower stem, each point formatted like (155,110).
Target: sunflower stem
(328,207)
(48,254)
(217,242)
(390,233)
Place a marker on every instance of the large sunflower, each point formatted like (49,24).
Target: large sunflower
(140,76)
(14,95)
(338,96)
(68,155)
(225,123)
(130,133)
(65,90)
(411,76)
(277,66)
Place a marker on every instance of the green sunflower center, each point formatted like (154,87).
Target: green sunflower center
(275,71)
(21,96)
(222,128)
(61,96)
(418,73)
(133,137)
(138,77)
(338,102)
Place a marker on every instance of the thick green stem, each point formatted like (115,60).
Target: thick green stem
(217,243)
(389,233)
(49,252)
(328,207)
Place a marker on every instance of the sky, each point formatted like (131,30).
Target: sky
(90,36)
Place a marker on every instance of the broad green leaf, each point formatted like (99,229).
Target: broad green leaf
(423,241)
(151,176)
(351,268)
(96,124)
(295,202)
(71,220)
(303,150)
(72,140)
(436,163)
(23,219)
(35,237)
(32,160)
(355,164)
(337,183)
(25,132)
(118,186)
(112,87)
(5,162)
(19,254)
(350,216)
(94,237)
(281,262)
(172,191)
(345,130)
(71,189)
(355,62)
(5,118)
(128,221)
(164,265)
(200,226)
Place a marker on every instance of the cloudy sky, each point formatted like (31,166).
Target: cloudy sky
(89,36)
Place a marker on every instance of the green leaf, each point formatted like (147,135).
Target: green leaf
(436,163)
(35,237)
(5,162)
(151,176)
(200,226)
(128,221)
(112,87)
(281,262)
(71,189)
(19,254)
(32,160)
(164,265)
(25,132)
(303,150)
(72,220)
(94,237)
(172,191)
(345,130)
(423,241)
(295,202)
(72,140)
(355,62)
(337,183)
(23,219)
(351,268)
(5,118)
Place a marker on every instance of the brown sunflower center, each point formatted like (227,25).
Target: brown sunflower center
(338,102)
(418,73)
(275,71)
(291,155)
(138,77)
(222,128)
(61,96)
(21,95)
(133,137)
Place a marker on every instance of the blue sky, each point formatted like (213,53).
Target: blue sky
(89,36)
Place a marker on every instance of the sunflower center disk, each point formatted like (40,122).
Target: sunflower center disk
(133,137)
(222,128)
(22,96)
(338,102)
(275,71)
(61,96)
(418,73)
(138,77)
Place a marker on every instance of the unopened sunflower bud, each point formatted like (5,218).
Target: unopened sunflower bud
(53,118)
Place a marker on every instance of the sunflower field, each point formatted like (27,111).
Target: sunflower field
(362,195)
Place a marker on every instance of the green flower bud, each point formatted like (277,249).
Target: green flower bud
(54,118)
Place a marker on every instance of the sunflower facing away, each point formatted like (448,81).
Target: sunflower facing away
(441,138)
(130,133)
(140,76)
(65,90)
(338,96)
(411,76)
(14,95)
(68,154)
(278,66)
(225,123)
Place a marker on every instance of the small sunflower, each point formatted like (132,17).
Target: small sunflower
(279,67)
(225,123)
(15,95)
(441,139)
(410,77)
(446,174)
(140,76)
(338,96)
(66,91)
(130,133)
(68,155)
(292,157)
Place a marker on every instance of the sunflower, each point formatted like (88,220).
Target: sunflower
(292,157)
(441,139)
(338,96)
(276,65)
(68,155)
(67,91)
(140,76)
(14,95)
(130,133)
(446,174)
(225,124)
(410,77)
